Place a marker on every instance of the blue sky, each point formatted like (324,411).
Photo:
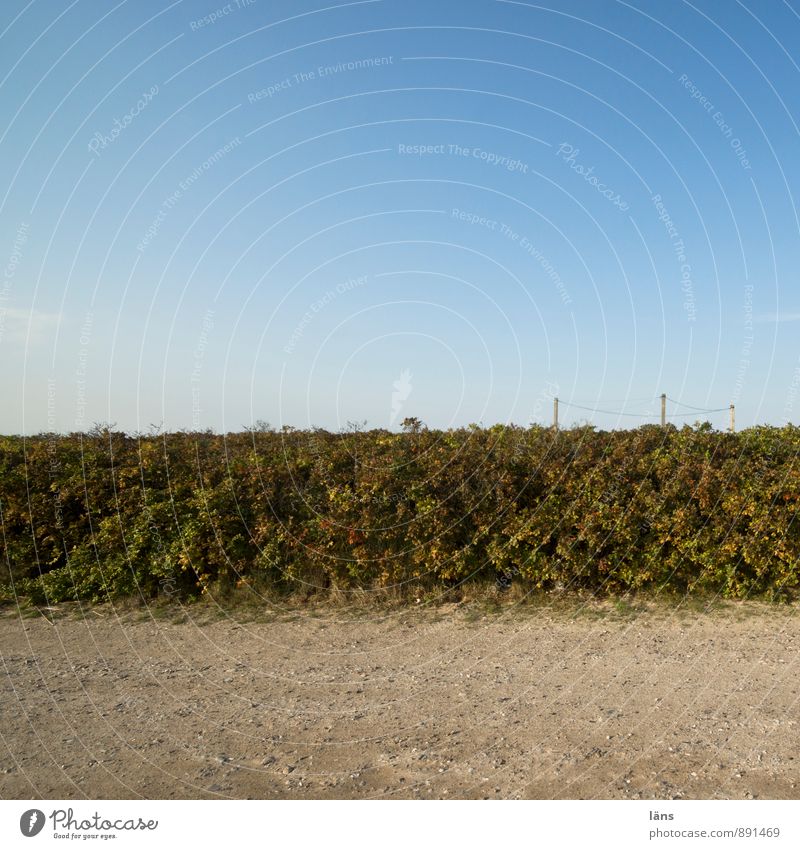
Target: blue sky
(315,213)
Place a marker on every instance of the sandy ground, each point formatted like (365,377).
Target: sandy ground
(451,703)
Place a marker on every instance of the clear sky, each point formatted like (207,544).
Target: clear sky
(311,213)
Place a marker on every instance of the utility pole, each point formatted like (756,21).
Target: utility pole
(555,413)
(733,419)
(663,409)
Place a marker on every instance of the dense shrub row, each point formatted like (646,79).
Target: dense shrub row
(105,514)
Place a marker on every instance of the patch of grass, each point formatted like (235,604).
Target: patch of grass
(472,615)
(471,603)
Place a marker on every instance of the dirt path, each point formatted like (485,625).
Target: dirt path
(519,704)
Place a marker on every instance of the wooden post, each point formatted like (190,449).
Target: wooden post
(555,413)
(733,419)
(663,410)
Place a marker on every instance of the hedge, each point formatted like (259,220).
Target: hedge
(105,514)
